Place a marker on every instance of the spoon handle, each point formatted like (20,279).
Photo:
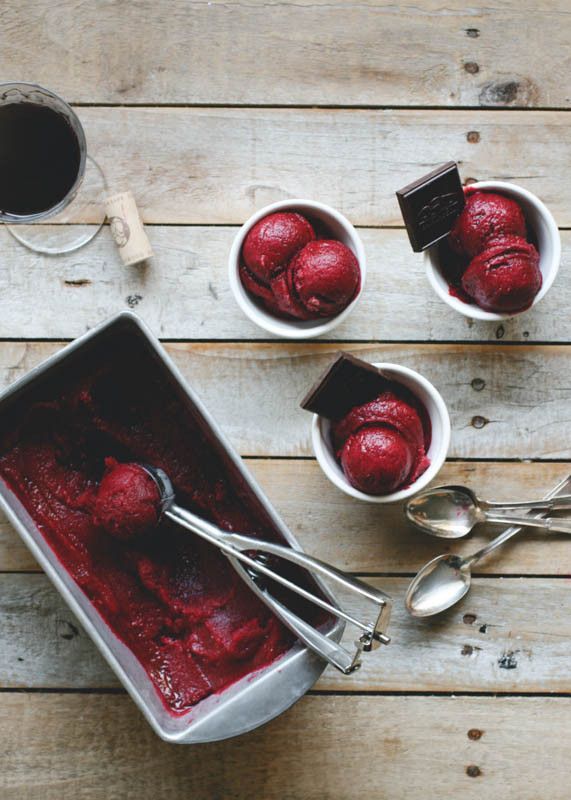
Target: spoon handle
(560,503)
(553,525)
(512,531)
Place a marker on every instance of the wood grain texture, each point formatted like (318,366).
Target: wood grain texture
(343,53)
(184,293)
(69,747)
(521,410)
(364,538)
(207,166)
(507,636)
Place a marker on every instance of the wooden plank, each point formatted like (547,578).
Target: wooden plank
(207,166)
(507,636)
(361,537)
(307,52)
(184,293)
(504,402)
(60,747)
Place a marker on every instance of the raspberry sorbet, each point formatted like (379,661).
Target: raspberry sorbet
(294,273)
(488,258)
(67,451)
(382,444)
(127,504)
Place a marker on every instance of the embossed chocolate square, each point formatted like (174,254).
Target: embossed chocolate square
(430,205)
(347,382)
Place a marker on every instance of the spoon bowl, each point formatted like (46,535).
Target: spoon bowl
(438,586)
(448,512)
(445,580)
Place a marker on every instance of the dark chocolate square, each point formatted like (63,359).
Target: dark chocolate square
(431,205)
(346,383)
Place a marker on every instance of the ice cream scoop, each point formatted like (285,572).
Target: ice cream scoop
(128,503)
(324,277)
(382,445)
(504,277)
(251,557)
(273,241)
(377,460)
(486,217)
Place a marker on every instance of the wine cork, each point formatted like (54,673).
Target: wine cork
(127,228)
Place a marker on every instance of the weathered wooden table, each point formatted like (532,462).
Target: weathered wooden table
(208,111)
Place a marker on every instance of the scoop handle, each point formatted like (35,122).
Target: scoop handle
(327,649)
(232,544)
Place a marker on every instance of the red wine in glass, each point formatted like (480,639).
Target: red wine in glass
(42,153)
(51,191)
(40,159)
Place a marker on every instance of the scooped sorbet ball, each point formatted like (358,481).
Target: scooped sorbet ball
(324,277)
(505,277)
(377,460)
(128,502)
(486,217)
(273,241)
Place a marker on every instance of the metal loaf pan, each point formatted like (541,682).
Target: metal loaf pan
(257,697)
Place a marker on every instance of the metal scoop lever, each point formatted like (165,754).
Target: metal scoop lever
(250,568)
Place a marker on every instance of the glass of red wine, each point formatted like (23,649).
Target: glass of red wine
(51,190)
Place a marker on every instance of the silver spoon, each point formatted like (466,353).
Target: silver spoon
(249,557)
(451,512)
(445,580)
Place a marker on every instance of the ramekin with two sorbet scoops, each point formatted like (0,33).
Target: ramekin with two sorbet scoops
(297,268)
(389,445)
(502,254)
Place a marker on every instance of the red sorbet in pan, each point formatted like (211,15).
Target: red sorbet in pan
(174,600)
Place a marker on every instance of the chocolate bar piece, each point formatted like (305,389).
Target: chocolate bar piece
(346,383)
(430,205)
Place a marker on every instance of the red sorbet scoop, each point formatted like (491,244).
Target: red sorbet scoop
(128,503)
(486,217)
(382,444)
(324,277)
(273,241)
(505,277)
(295,275)
(377,460)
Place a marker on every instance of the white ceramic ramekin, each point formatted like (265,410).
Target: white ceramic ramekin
(540,222)
(440,422)
(340,229)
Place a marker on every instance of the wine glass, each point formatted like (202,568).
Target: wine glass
(51,191)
